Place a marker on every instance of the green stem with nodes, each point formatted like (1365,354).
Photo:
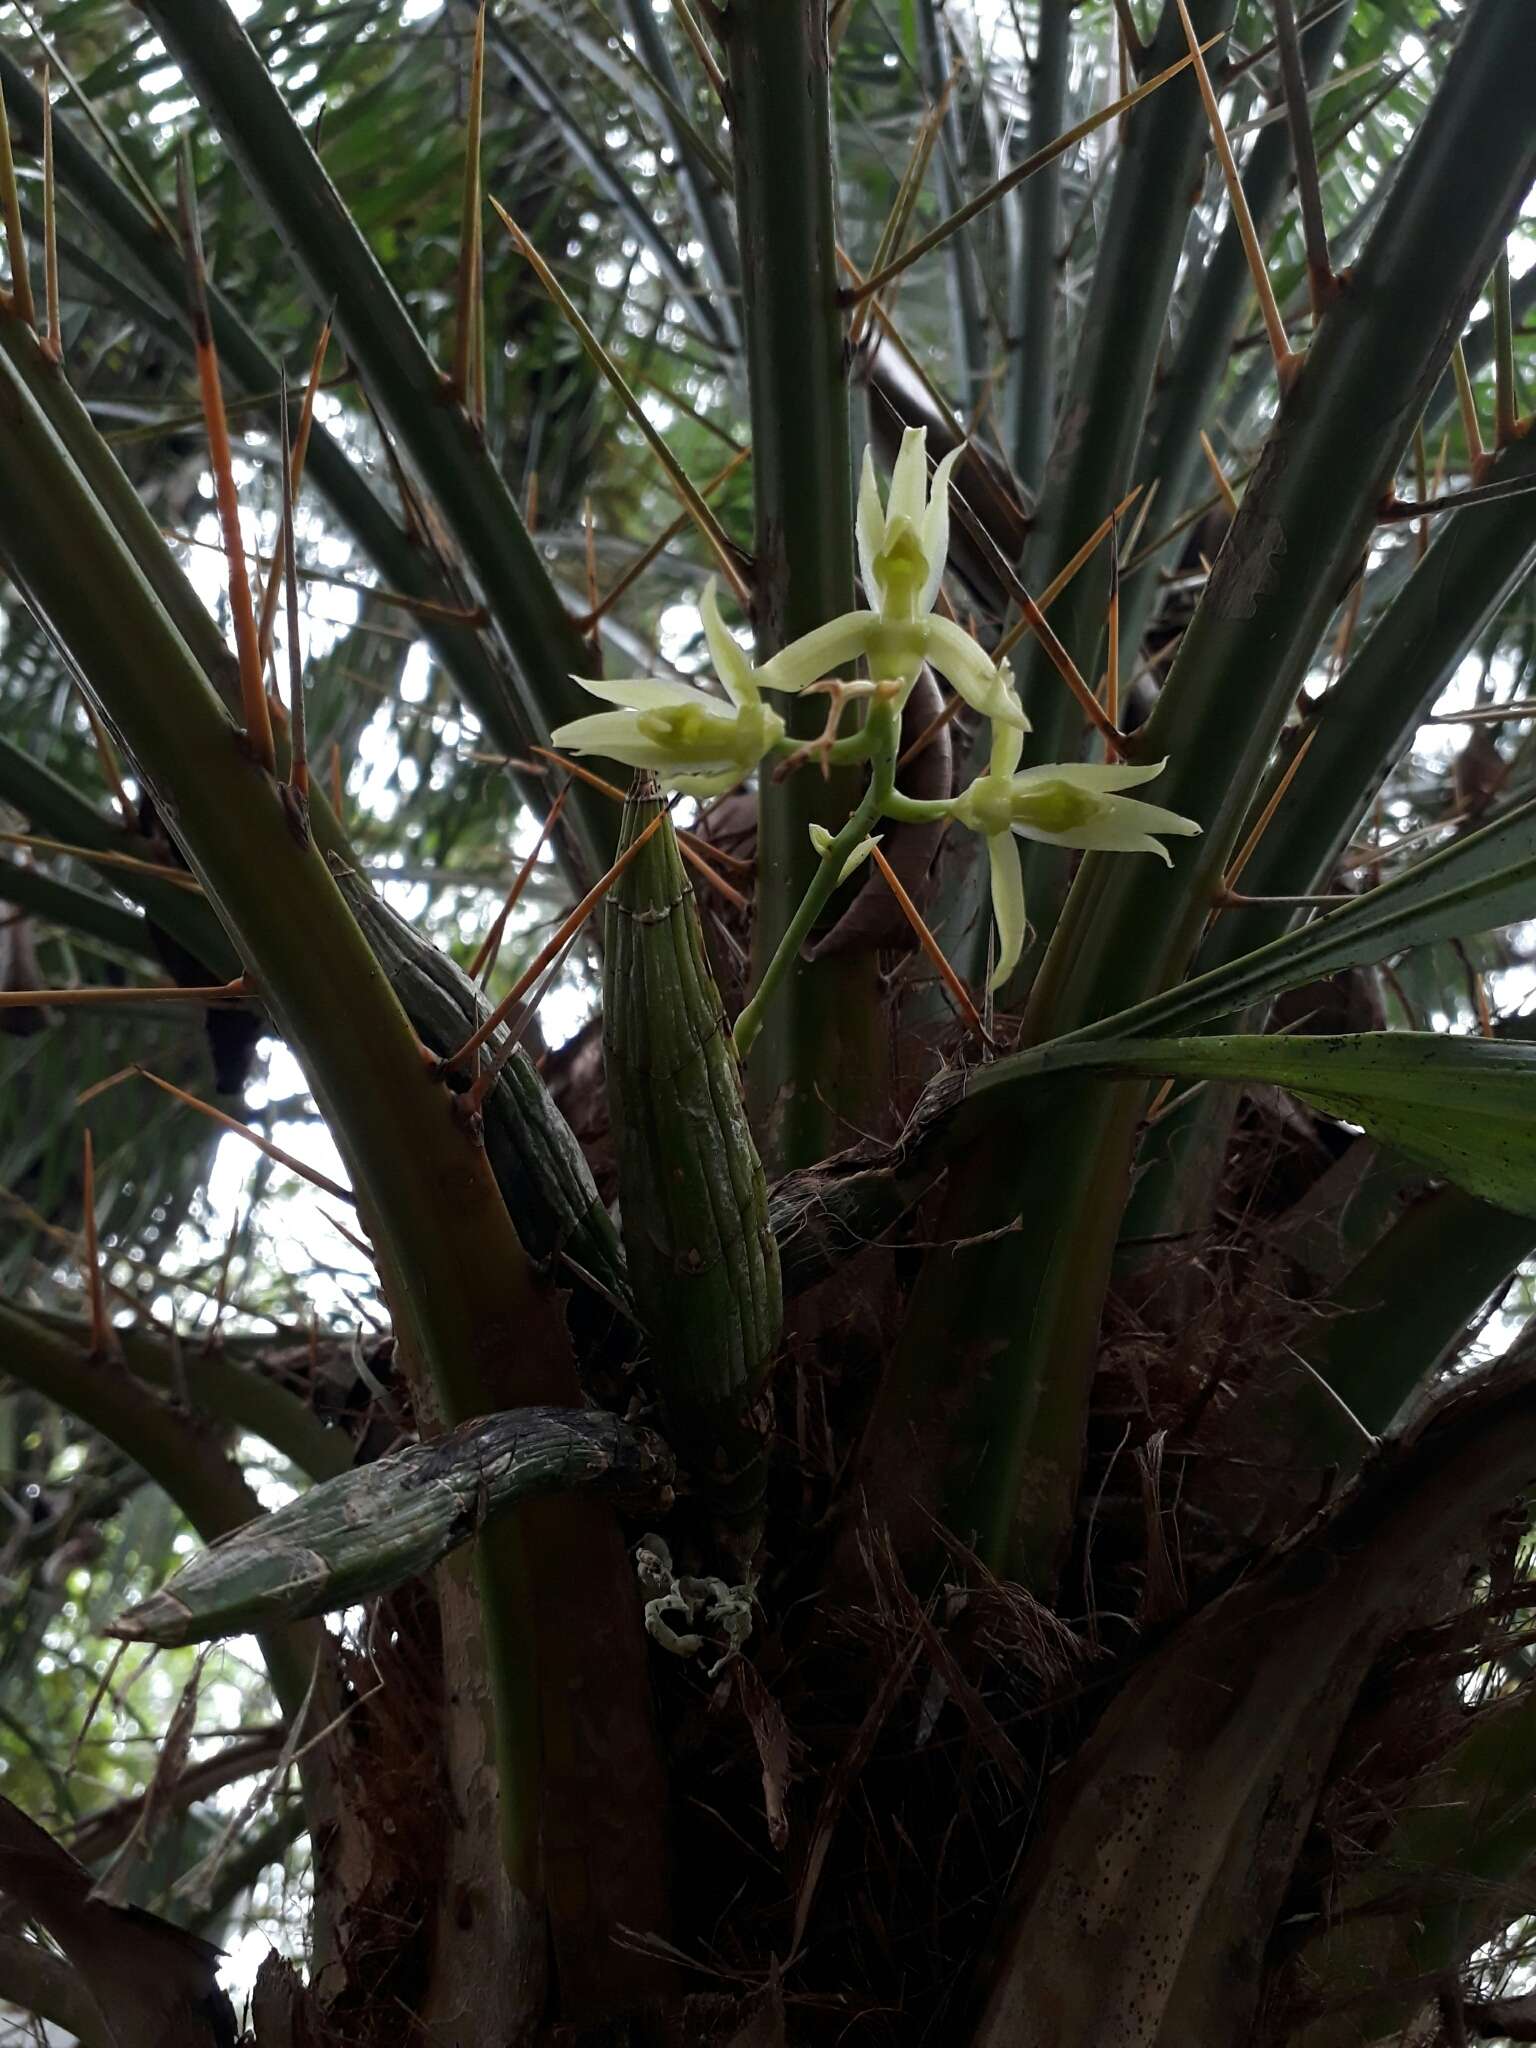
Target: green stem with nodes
(881,737)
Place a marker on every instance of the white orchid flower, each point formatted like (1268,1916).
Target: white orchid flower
(1064,803)
(902,549)
(694,741)
(903,546)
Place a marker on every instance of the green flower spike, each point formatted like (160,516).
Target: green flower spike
(902,550)
(688,737)
(1066,803)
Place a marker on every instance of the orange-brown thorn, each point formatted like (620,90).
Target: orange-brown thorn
(53,344)
(485,959)
(567,930)
(1228,889)
(104,1342)
(262,1144)
(253,696)
(21,300)
(930,945)
(294,464)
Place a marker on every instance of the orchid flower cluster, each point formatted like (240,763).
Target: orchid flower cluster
(703,745)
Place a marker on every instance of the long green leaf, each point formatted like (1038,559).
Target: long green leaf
(1464,1107)
(1474,885)
(820,1065)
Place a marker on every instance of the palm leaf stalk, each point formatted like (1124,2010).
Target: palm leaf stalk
(303,947)
(823,1059)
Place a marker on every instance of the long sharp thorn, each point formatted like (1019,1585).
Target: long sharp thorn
(1128,545)
(931,731)
(930,945)
(262,1144)
(701,50)
(54,343)
(105,132)
(619,796)
(298,746)
(104,1342)
(15,235)
(567,930)
(253,696)
(295,468)
(1213,463)
(1063,576)
(664,539)
(178,878)
(473,1099)
(1285,360)
(1262,823)
(1421,485)
(108,759)
(1473,494)
(104,998)
(1506,404)
(703,518)
(466,312)
(1002,186)
(1068,670)
(899,218)
(589,532)
(1321,282)
(477,396)
(1466,399)
(1130,34)
(485,959)
(687,847)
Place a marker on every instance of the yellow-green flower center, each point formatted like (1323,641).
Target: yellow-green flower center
(1056,806)
(995,803)
(695,736)
(900,568)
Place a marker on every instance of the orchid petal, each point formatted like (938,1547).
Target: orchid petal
(648,693)
(935,530)
(707,783)
(869,527)
(613,733)
(816,654)
(1100,837)
(976,677)
(909,481)
(1007,904)
(725,651)
(1007,745)
(1099,777)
